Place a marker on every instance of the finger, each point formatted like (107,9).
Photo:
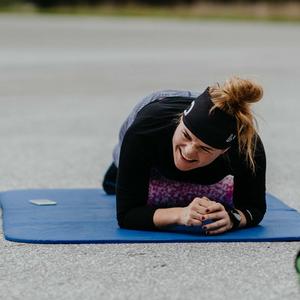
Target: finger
(193,222)
(215,207)
(220,230)
(215,225)
(196,222)
(196,206)
(209,200)
(200,200)
(199,209)
(196,215)
(217,231)
(215,216)
(204,202)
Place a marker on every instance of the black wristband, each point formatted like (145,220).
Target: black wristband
(235,217)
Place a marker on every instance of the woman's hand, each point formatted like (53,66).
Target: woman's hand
(216,212)
(192,214)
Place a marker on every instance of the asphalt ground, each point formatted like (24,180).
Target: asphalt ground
(67,83)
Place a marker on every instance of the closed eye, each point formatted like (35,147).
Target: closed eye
(204,149)
(185,134)
(188,137)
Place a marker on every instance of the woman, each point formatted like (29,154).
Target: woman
(185,159)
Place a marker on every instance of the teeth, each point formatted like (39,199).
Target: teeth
(186,158)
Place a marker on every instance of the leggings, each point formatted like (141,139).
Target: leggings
(110,180)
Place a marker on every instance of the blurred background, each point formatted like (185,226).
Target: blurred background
(71,71)
(235,9)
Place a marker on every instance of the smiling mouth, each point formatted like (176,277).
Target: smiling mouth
(187,160)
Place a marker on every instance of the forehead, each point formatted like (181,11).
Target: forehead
(196,140)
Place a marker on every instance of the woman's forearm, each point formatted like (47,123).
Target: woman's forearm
(167,216)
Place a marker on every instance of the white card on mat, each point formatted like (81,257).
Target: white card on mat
(42,202)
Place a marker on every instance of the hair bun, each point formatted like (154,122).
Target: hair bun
(235,97)
(242,91)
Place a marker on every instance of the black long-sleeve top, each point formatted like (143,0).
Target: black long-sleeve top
(148,143)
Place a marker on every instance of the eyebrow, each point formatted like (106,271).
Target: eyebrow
(200,146)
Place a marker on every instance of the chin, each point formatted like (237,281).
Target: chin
(184,169)
(184,166)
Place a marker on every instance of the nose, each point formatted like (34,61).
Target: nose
(189,151)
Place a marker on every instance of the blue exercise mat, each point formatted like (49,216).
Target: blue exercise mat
(88,216)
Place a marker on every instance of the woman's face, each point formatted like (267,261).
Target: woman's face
(189,152)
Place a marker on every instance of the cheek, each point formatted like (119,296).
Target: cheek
(178,142)
(206,158)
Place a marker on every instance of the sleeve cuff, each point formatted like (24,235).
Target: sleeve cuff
(248,215)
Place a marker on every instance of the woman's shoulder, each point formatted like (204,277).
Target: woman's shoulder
(166,107)
(159,115)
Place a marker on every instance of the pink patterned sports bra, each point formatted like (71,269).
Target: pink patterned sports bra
(164,192)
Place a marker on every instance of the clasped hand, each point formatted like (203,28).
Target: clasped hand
(201,209)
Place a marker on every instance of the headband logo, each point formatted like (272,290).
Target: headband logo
(230,138)
(187,111)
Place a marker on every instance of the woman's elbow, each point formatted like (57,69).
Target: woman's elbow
(121,221)
(257,218)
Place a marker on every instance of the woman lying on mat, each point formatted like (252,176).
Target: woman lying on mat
(185,157)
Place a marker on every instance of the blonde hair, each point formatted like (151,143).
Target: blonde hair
(235,97)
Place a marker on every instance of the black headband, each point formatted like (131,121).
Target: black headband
(217,129)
